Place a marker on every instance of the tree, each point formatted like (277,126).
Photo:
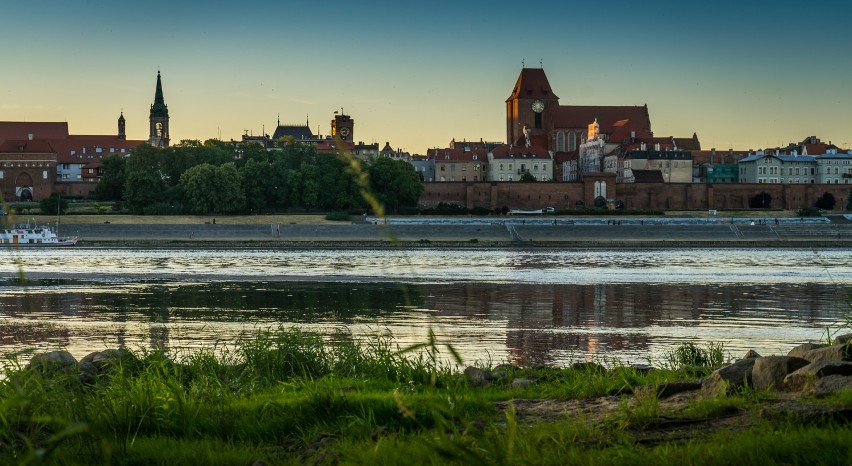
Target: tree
(209,189)
(761,201)
(256,185)
(142,189)
(394,183)
(527,176)
(826,201)
(53,205)
(111,185)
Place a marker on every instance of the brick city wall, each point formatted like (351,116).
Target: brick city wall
(658,196)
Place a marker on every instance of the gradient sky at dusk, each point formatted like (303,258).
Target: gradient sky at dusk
(742,74)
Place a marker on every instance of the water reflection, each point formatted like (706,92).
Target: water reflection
(534,323)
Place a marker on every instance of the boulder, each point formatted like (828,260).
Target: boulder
(832,384)
(642,368)
(88,372)
(843,339)
(729,378)
(830,353)
(803,349)
(806,377)
(769,372)
(54,361)
(521,383)
(751,354)
(476,377)
(106,361)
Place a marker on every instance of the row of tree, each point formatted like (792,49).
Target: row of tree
(216,177)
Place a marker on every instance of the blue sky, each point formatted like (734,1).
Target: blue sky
(745,74)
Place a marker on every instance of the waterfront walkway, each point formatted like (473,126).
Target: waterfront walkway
(496,233)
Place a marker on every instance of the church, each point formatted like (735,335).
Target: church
(38,159)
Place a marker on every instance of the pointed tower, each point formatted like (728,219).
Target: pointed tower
(531,105)
(121,133)
(159,119)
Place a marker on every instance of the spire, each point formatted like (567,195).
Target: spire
(159,108)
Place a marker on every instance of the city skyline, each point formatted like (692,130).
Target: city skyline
(743,75)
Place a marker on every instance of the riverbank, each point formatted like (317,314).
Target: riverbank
(287,397)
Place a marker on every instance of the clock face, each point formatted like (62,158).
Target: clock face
(538,106)
(344,132)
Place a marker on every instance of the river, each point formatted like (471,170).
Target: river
(531,306)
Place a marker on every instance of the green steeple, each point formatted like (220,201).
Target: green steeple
(159,108)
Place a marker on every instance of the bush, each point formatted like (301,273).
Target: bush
(53,205)
(337,216)
(809,212)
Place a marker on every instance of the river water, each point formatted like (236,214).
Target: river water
(533,306)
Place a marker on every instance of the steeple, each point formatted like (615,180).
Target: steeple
(159,118)
(121,134)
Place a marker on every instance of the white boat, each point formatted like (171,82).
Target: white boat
(33,236)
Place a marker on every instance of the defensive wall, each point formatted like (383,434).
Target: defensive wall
(655,196)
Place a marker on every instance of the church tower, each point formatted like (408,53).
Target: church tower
(531,106)
(159,119)
(121,133)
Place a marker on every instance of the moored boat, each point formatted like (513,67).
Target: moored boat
(33,236)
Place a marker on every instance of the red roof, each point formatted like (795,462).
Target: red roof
(506,152)
(457,155)
(579,117)
(816,149)
(38,130)
(532,84)
(26,146)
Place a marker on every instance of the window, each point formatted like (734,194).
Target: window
(464,167)
(572,141)
(453,167)
(560,142)
(501,178)
(501,167)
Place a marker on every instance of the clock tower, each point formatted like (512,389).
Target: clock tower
(159,119)
(531,106)
(343,127)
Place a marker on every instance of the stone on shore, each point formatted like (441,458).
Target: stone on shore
(802,350)
(830,353)
(476,377)
(588,366)
(667,389)
(806,377)
(54,361)
(832,384)
(728,379)
(108,361)
(521,383)
(769,372)
(843,339)
(750,354)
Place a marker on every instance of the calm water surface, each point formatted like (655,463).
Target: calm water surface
(534,306)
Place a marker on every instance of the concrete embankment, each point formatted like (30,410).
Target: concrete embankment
(495,234)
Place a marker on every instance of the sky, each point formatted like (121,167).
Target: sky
(742,74)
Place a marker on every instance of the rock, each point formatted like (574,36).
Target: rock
(832,384)
(769,372)
(54,361)
(729,378)
(830,353)
(807,376)
(106,361)
(667,389)
(476,377)
(843,339)
(521,383)
(750,354)
(88,372)
(588,366)
(803,349)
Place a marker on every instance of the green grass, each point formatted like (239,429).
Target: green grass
(289,397)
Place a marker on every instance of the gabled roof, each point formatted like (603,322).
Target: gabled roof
(39,130)
(26,146)
(532,84)
(579,116)
(297,132)
(520,152)
(457,155)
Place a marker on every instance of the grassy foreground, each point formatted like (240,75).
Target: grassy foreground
(287,397)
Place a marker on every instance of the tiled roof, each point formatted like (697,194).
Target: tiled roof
(783,158)
(25,146)
(516,152)
(579,117)
(296,132)
(532,84)
(39,130)
(457,155)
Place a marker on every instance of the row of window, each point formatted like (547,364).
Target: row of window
(780,171)
(812,181)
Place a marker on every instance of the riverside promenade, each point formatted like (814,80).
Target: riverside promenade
(502,232)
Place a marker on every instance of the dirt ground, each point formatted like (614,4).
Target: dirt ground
(672,425)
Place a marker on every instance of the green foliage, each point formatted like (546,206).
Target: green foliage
(527,177)
(394,183)
(53,205)
(809,212)
(689,355)
(337,216)
(111,185)
(826,201)
(141,190)
(210,189)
